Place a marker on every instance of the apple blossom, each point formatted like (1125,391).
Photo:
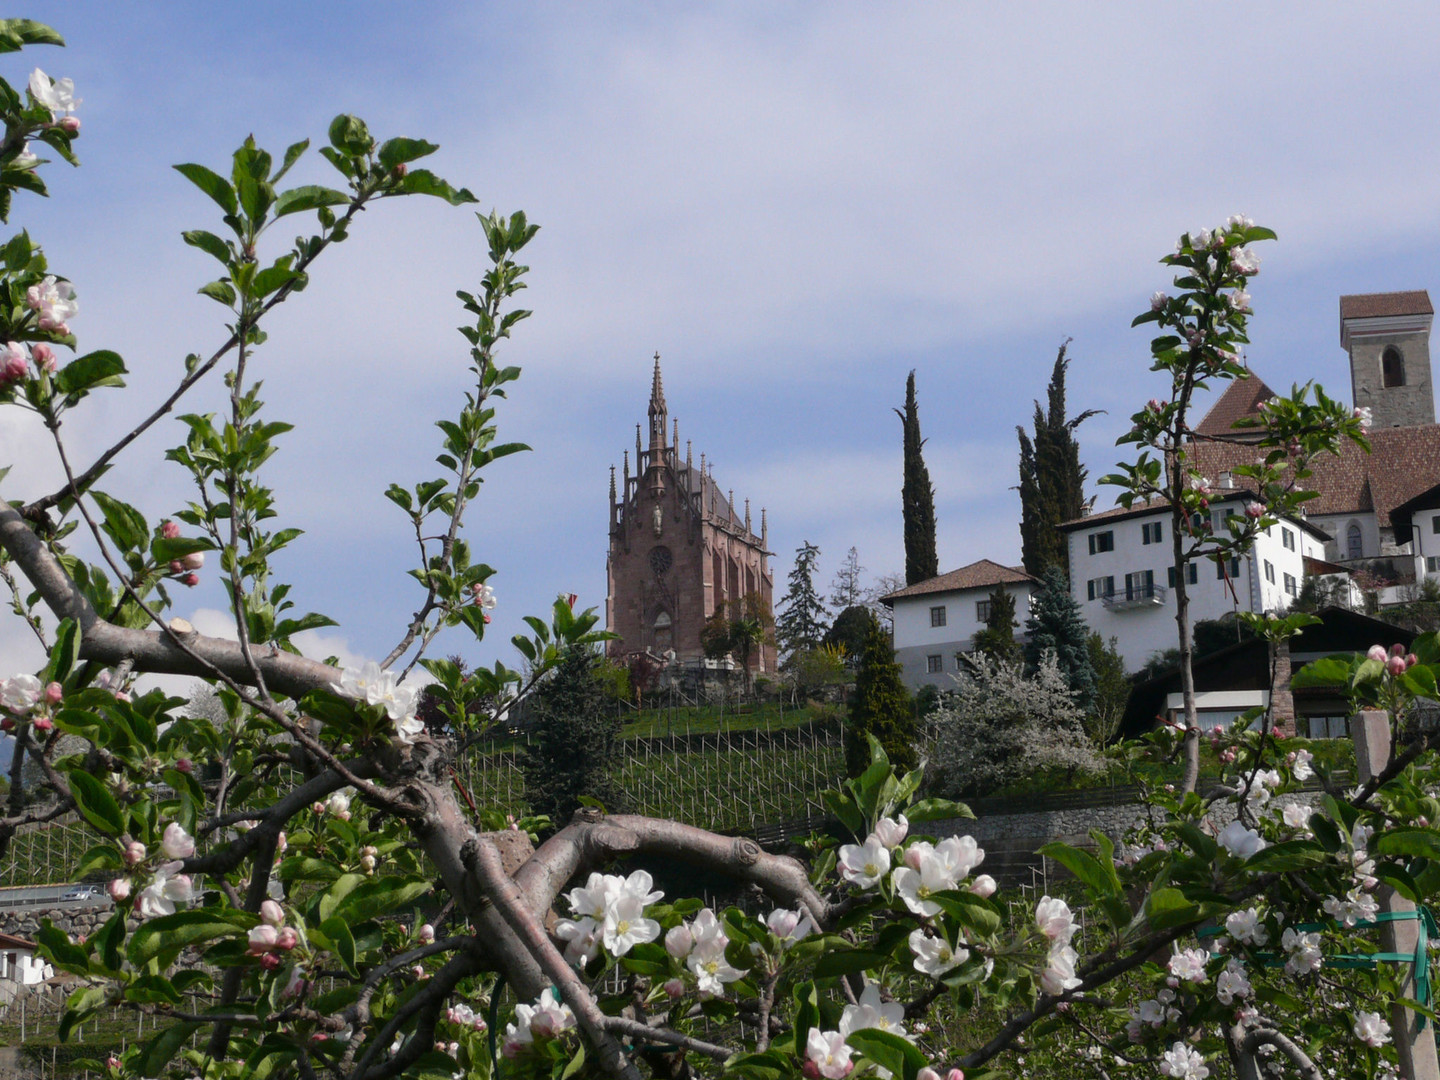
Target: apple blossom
(1182,1063)
(189,581)
(582,940)
(57,95)
(262,939)
(1371,1028)
(119,889)
(1232,983)
(1053,918)
(1363,414)
(460,1014)
(1377,653)
(1247,927)
(269,961)
(55,301)
(170,530)
(933,955)
(1303,951)
(176,843)
(338,803)
(1240,841)
(1300,764)
(160,896)
(864,864)
(961,854)
(1158,300)
(21,693)
(1188,965)
(626,926)
(426,933)
(828,1053)
(708,964)
(1296,816)
(134,852)
(14,362)
(287,938)
(1059,972)
(679,941)
(891,831)
(870,1012)
(272,913)
(193,561)
(788,926)
(43,723)
(1357,907)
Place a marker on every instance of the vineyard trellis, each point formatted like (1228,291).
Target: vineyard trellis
(45,854)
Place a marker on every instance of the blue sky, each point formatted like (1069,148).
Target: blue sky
(794,204)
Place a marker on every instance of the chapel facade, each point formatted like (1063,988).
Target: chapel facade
(679,549)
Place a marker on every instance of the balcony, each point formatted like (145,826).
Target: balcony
(1138,597)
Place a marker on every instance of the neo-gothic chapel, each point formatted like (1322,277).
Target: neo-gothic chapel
(678,549)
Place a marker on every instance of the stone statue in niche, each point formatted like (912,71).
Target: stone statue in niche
(658,520)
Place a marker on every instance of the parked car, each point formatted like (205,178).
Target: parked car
(80,892)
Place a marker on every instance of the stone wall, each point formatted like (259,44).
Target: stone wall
(73,919)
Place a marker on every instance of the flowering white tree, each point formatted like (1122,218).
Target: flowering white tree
(264,859)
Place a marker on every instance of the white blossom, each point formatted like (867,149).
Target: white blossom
(1053,918)
(626,925)
(1183,1063)
(1371,1028)
(1240,841)
(1357,907)
(789,926)
(582,940)
(708,964)
(828,1052)
(1303,951)
(864,864)
(56,95)
(176,843)
(1059,974)
(1300,767)
(1233,983)
(871,1012)
(933,955)
(21,693)
(1247,927)
(1188,965)
(55,301)
(1296,816)
(890,831)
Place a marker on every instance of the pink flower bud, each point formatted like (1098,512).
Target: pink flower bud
(317,808)
(281,844)
(1254,511)
(810,1069)
(1411,660)
(440,1046)
(170,530)
(674,988)
(984,885)
(7,723)
(134,853)
(176,566)
(1397,649)
(1377,653)
(272,913)
(44,723)
(262,939)
(54,693)
(319,1037)
(71,124)
(927,1073)
(112,1062)
(419,971)
(194,561)
(1395,666)
(185,765)
(427,934)
(44,357)
(119,889)
(190,580)
(269,961)
(955,1074)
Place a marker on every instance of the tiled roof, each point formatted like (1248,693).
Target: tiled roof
(1140,509)
(1382,304)
(978,575)
(1241,398)
(1403,463)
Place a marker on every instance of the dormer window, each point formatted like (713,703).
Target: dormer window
(1392,367)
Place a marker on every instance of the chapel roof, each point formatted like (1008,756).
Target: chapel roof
(1385,304)
(1241,398)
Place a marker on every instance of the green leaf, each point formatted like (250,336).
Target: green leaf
(1327,671)
(60,950)
(350,135)
(125,525)
(1168,907)
(807,1010)
(973,912)
(379,895)
(209,243)
(576,1063)
(936,810)
(848,962)
(399,151)
(96,805)
(338,931)
(212,184)
(170,934)
(424,182)
(164,1046)
(308,197)
(890,1051)
(1085,867)
(1290,855)
(65,652)
(90,372)
(222,291)
(1410,842)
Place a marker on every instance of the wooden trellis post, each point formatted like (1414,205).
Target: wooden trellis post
(1415,1044)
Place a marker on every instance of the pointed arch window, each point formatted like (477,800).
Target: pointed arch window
(1354,541)
(1392,367)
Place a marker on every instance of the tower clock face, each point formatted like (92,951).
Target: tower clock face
(660,559)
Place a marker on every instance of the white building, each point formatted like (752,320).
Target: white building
(1122,573)
(936,620)
(18,962)
(1417,525)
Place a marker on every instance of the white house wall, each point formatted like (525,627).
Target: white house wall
(1144,630)
(916,641)
(1425,530)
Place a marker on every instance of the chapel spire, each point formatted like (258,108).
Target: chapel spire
(657,413)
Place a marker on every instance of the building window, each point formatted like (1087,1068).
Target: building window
(1140,585)
(1234,568)
(1354,541)
(1432,564)
(1435,524)
(1192,574)
(933,664)
(1287,538)
(1269,571)
(1329,727)
(1290,587)
(1104,541)
(1099,588)
(1152,532)
(937,616)
(982,610)
(1392,367)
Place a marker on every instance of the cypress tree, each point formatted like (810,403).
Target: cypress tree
(997,640)
(1056,626)
(881,706)
(1052,480)
(801,624)
(573,751)
(917,497)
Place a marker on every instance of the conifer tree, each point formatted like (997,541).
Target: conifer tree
(1052,480)
(881,706)
(802,622)
(917,497)
(997,640)
(573,749)
(1056,626)
(845,588)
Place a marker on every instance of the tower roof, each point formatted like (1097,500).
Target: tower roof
(1241,398)
(1383,305)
